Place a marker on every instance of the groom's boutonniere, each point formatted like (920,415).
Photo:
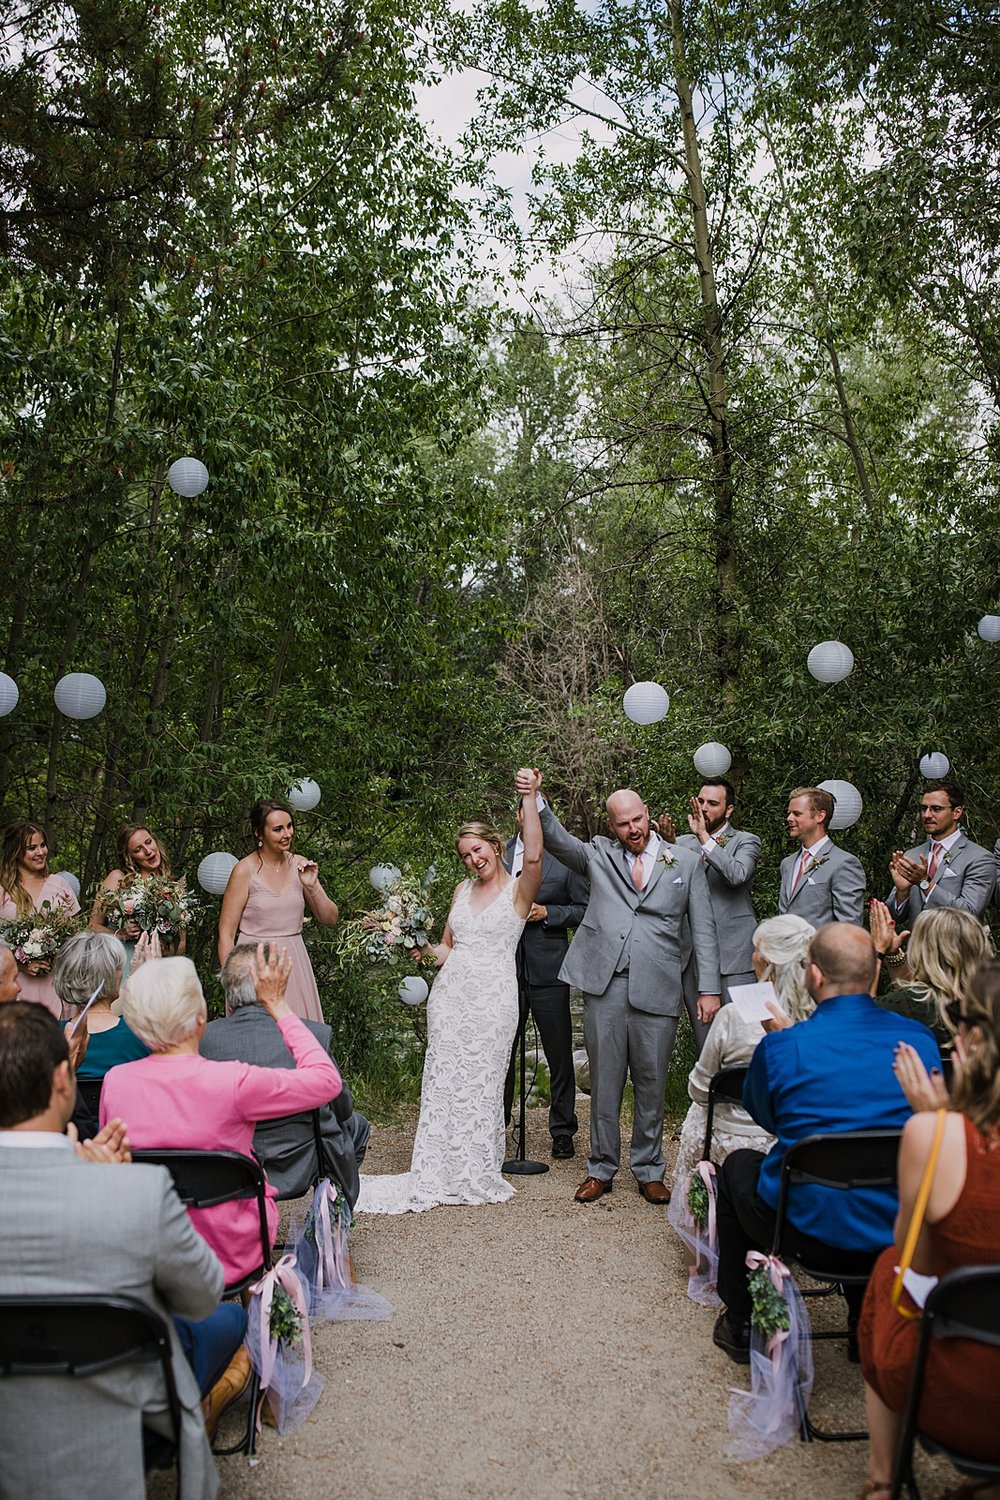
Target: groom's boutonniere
(814,864)
(668,859)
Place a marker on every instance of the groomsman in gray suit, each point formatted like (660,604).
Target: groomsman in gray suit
(626,958)
(821,883)
(948,869)
(729,856)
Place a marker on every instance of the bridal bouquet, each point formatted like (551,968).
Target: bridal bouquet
(403,921)
(37,938)
(150,902)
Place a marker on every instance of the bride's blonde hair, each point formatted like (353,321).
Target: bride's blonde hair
(487,833)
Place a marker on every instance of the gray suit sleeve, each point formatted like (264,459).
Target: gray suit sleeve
(977,885)
(847,889)
(736,866)
(704,937)
(188,1275)
(572,851)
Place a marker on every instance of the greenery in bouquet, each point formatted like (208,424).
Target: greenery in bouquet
(403,921)
(38,937)
(285,1318)
(697,1199)
(151,903)
(770,1310)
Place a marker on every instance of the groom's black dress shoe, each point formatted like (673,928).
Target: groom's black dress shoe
(655,1192)
(733,1338)
(562,1146)
(592,1188)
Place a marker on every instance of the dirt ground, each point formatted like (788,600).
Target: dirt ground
(542,1349)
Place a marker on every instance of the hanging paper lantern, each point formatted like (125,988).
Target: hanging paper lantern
(935,765)
(8,695)
(989,627)
(830,661)
(71,881)
(215,870)
(187,477)
(413,990)
(383,876)
(646,702)
(304,794)
(848,800)
(712,759)
(80,695)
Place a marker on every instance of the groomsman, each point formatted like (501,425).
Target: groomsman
(561,903)
(729,856)
(821,883)
(948,869)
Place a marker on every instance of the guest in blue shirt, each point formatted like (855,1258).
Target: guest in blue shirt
(831,1072)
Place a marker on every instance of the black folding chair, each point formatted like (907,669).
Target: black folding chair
(204,1179)
(82,1336)
(965,1304)
(90,1092)
(843,1160)
(726,1084)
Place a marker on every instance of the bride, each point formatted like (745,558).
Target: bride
(472,1017)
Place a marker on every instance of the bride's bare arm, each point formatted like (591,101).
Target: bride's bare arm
(530,877)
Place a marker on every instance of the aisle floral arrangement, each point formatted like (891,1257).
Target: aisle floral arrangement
(403,921)
(152,903)
(37,938)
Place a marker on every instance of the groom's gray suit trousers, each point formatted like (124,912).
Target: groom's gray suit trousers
(622,1041)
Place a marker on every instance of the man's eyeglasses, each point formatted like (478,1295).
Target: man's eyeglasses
(953,1010)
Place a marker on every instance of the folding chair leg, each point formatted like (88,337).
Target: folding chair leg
(248,1442)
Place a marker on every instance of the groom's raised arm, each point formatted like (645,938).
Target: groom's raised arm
(572,851)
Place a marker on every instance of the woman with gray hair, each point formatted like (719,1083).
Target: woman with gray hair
(89,962)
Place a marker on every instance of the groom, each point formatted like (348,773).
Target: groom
(626,958)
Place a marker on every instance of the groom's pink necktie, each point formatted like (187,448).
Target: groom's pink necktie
(638,873)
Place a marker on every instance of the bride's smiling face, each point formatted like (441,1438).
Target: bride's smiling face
(478,857)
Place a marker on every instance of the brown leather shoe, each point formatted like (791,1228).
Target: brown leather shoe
(227,1390)
(592,1188)
(655,1192)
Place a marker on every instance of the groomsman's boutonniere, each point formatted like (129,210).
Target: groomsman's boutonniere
(814,864)
(721,840)
(668,859)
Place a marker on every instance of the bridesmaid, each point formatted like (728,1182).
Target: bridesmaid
(266,899)
(25,882)
(139,853)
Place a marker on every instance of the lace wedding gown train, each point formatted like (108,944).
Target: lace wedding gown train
(471,1023)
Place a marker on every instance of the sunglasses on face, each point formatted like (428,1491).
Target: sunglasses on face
(953,1010)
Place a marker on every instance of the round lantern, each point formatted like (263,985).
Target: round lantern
(413,990)
(646,702)
(71,881)
(712,759)
(848,800)
(215,870)
(383,876)
(304,794)
(80,695)
(989,627)
(187,477)
(8,695)
(935,765)
(830,661)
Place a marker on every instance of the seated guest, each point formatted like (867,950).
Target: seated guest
(87,962)
(780,946)
(961,1228)
(946,947)
(831,1072)
(177,1098)
(78,1224)
(285,1147)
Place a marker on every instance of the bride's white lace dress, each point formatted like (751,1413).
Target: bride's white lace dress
(471,1023)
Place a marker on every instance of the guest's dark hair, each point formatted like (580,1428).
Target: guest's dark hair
(951,789)
(976,1092)
(728,785)
(259,814)
(32,1046)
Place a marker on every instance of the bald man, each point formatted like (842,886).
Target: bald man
(626,958)
(832,1072)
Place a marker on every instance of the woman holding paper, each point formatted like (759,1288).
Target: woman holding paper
(90,964)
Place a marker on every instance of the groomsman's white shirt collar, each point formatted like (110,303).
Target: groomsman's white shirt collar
(947,843)
(815,850)
(720,833)
(648,856)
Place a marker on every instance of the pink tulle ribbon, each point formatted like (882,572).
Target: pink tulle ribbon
(334,1269)
(779,1273)
(706,1171)
(285,1275)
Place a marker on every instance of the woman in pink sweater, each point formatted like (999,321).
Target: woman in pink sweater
(174,1098)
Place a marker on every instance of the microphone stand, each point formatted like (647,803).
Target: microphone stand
(519,1165)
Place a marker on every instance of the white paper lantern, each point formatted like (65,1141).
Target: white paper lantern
(830,661)
(712,759)
(848,800)
(304,794)
(935,765)
(383,876)
(215,870)
(80,695)
(413,990)
(646,702)
(989,627)
(71,881)
(8,695)
(187,477)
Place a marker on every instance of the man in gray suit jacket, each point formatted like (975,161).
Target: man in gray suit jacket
(821,883)
(729,856)
(286,1147)
(73,1227)
(626,958)
(948,869)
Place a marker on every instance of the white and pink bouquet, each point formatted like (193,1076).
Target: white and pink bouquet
(37,938)
(148,903)
(402,922)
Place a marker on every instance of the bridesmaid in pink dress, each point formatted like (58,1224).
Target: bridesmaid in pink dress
(266,898)
(25,883)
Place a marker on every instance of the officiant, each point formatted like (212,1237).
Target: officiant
(562,901)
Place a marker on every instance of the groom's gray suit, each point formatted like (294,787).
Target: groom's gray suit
(626,958)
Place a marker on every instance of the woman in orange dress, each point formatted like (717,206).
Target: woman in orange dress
(961,1228)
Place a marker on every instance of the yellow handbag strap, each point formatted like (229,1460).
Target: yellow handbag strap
(917,1217)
